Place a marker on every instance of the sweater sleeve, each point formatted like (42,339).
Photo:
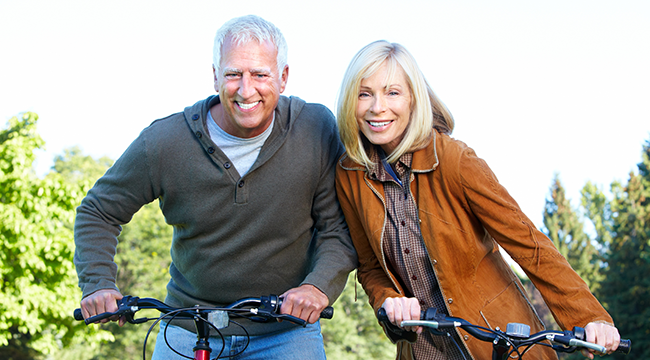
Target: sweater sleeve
(112,201)
(334,255)
(566,294)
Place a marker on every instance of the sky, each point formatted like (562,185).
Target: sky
(537,88)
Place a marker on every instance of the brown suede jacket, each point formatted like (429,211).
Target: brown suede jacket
(464,213)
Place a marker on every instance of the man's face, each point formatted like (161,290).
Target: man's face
(249,87)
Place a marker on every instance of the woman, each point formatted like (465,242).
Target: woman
(426,215)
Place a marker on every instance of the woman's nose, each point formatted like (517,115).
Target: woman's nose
(378,105)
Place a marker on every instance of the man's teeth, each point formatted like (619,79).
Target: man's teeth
(247,106)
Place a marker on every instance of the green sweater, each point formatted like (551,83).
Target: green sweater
(274,229)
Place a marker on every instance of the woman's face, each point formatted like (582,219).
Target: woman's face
(383,112)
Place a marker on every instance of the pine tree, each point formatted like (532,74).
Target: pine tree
(626,288)
(566,230)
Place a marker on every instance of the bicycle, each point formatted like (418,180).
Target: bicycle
(504,344)
(262,309)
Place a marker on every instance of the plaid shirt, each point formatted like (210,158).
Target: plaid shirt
(405,251)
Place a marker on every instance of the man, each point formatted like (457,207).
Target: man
(247,180)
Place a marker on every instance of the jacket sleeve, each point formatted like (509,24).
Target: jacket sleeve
(372,276)
(112,201)
(565,293)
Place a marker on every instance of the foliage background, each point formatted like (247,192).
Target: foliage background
(606,238)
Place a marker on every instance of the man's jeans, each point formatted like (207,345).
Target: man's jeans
(295,343)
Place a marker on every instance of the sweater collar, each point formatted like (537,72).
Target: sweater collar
(286,112)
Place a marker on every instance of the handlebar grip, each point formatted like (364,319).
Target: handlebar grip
(327,313)
(624,347)
(381,315)
(78,315)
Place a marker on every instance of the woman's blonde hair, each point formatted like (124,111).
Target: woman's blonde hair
(427,111)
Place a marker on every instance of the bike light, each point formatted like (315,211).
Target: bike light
(218,318)
(518,330)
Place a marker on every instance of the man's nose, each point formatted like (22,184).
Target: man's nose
(246,87)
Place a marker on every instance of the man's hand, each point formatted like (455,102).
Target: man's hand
(305,302)
(401,308)
(101,301)
(603,335)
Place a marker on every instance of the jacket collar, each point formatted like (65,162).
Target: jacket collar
(424,160)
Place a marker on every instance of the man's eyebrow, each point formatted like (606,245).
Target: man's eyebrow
(231,70)
(260,71)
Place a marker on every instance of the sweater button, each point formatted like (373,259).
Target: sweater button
(466,337)
(406,251)
(403,223)
(241,184)
(199,134)
(195,117)
(211,150)
(227,165)
(434,261)
(450,300)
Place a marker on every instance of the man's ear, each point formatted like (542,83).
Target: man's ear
(284,77)
(216,81)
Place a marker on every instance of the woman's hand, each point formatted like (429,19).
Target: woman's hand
(402,308)
(603,335)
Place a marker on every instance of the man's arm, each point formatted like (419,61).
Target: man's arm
(109,204)
(333,254)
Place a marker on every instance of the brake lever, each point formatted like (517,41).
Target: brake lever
(126,307)
(291,318)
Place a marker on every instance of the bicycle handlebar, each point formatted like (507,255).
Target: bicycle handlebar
(256,309)
(570,339)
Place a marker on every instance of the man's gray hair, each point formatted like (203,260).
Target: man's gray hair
(248,28)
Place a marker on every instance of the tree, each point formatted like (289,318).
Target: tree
(75,167)
(564,227)
(38,289)
(566,230)
(354,333)
(142,258)
(626,288)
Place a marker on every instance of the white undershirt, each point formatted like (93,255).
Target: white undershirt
(242,152)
